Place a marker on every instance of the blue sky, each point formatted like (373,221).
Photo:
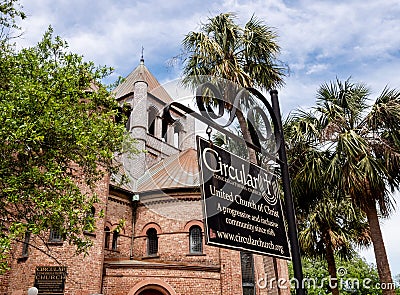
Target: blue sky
(320,40)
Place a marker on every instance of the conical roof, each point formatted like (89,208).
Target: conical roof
(141,73)
(177,171)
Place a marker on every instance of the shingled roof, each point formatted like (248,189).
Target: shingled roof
(177,171)
(141,73)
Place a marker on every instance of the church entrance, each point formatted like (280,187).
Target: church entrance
(152,287)
(150,292)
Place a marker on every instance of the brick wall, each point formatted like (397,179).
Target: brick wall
(173,240)
(84,272)
(119,208)
(4,281)
(216,270)
(120,281)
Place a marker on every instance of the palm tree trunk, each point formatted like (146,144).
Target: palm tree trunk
(246,135)
(330,259)
(382,262)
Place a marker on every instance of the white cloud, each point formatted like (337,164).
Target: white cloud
(311,33)
(316,68)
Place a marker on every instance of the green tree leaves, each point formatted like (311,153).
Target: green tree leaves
(10,11)
(245,55)
(355,276)
(59,139)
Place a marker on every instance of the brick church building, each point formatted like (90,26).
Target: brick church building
(159,249)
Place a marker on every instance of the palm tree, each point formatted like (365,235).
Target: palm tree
(238,57)
(363,147)
(333,227)
(247,57)
(328,223)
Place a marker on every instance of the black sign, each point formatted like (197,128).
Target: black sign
(50,280)
(242,208)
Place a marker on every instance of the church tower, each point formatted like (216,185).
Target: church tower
(138,119)
(147,98)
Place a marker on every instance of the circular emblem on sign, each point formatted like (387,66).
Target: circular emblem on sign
(270,196)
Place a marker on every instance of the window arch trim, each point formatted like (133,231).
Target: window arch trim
(150,225)
(191,223)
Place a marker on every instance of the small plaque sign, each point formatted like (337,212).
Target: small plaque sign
(50,280)
(241,203)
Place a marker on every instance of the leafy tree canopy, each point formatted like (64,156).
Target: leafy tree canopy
(57,124)
(10,12)
(355,276)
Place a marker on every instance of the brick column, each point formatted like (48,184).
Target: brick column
(135,166)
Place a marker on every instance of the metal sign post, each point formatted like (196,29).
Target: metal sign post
(287,191)
(210,92)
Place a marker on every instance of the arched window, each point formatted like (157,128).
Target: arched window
(107,234)
(152,242)
(151,121)
(247,264)
(164,130)
(115,240)
(177,134)
(124,113)
(90,215)
(55,236)
(195,240)
(25,246)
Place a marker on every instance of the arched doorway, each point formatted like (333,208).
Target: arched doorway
(152,287)
(150,292)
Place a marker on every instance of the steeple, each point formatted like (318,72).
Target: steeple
(142,58)
(135,168)
(142,69)
(142,74)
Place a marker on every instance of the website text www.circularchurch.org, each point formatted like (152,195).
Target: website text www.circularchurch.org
(319,283)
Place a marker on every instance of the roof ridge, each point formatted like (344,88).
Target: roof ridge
(142,73)
(177,170)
